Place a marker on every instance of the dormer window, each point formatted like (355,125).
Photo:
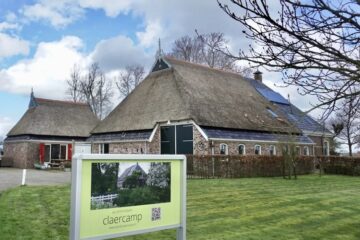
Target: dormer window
(272,112)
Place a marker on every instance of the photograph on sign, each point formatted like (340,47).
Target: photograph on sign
(125,184)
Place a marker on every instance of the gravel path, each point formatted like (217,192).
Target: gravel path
(11,177)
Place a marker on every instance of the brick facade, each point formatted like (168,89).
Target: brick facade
(200,146)
(22,154)
(138,147)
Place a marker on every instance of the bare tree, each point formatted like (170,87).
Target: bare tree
(346,124)
(207,49)
(73,83)
(315,44)
(97,90)
(93,88)
(129,79)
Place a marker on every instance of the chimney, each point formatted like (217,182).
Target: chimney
(258,76)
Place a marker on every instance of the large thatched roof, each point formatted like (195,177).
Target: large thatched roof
(55,118)
(208,96)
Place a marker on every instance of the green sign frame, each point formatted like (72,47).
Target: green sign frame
(119,216)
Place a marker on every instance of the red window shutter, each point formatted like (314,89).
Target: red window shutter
(70,152)
(42,152)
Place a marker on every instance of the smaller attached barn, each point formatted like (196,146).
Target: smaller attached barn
(47,131)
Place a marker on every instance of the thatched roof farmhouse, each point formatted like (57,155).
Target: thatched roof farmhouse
(187,108)
(46,131)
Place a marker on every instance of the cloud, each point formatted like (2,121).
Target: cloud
(12,45)
(5,26)
(111,8)
(5,125)
(59,13)
(46,71)
(118,52)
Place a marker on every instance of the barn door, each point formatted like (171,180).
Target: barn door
(167,139)
(177,139)
(184,139)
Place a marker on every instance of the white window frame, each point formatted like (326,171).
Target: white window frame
(326,143)
(298,150)
(244,153)
(226,149)
(257,145)
(307,152)
(274,154)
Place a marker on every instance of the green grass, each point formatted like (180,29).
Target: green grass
(312,207)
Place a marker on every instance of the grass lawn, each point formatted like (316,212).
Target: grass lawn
(312,207)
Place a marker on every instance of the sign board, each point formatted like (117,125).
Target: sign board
(115,195)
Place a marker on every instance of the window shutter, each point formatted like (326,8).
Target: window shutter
(70,152)
(42,152)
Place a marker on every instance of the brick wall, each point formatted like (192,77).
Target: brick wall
(22,154)
(154,145)
(201,146)
(142,147)
(250,148)
(318,147)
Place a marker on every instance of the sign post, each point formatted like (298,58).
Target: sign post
(122,195)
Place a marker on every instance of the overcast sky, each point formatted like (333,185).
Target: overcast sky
(40,41)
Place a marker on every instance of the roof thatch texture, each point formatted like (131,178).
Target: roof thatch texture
(208,96)
(56,118)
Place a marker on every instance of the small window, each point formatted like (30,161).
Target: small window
(257,150)
(326,148)
(104,148)
(272,112)
(241,149)
(286,149)
(63,152)
(297,150)
(272,150)
(306,151)
(223,149)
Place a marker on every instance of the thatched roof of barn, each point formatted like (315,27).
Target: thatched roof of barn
(55,118)
(185,91)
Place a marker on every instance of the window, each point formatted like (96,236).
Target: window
(241,149)
(272,150)
(56,151)
(306,151)
(224,149)
(257,150)
(326,148)
(104,148)
(297,150)
(272,113)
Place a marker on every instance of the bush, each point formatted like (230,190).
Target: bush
(142,196)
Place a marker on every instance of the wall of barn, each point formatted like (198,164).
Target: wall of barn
(200,146)
(138,147)
(318,140)
(21,154)
(250,147)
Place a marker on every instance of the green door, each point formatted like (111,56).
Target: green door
(177,139)
(167,140)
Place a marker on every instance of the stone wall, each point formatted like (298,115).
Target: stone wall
(22,154)
(154,145)
(139,147)
(201,146)
(319,147)
(250,147)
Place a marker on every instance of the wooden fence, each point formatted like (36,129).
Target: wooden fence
(103,198)
(237,166)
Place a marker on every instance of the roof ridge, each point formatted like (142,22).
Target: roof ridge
(60,101)
(205,66)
